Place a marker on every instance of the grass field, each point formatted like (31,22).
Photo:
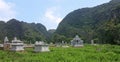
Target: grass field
(88,53)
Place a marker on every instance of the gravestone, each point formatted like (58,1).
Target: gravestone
(64,44)
(77,42)
(58,44)
(40,46)
(6,40)
(17,45)
(92,42)
(6,45)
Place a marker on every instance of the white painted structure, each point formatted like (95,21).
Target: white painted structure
(17,45)
(6,45)
(1,45)
(92,42)
(77,42)
(6,40)
(41,47)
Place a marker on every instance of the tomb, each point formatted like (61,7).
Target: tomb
(40,46)
(17,45)
(93,42)
(6,45)
(77,42)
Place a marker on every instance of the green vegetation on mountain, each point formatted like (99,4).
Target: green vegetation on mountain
(101,23)
(28,32)
(51,32)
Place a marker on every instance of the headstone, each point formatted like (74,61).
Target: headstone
(6,40)
(51,44)
(6,45)
(58,44)
(1,46)
(77,42)
(92,42)
(17,45)
(63,42)
(40,46)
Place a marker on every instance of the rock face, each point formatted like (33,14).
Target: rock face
(77,42)
(41,47)
(17,45)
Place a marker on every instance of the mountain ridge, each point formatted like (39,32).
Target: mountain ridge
(86,21)
(29,32)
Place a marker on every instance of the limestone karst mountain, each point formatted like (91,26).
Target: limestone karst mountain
(29,32)
(97,23)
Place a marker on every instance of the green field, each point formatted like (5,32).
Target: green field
(88,53)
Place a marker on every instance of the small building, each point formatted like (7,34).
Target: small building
(40,46)
(77,42)
(17,45)
(6,45)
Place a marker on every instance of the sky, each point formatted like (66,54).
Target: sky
(47,12)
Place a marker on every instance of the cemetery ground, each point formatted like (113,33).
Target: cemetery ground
(88,53)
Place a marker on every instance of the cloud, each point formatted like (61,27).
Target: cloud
(6,10)
(53,15)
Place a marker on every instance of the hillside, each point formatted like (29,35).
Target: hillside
(29,32)
(88,23)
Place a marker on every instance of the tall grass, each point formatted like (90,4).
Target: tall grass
(88,53)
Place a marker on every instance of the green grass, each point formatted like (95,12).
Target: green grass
(88,53)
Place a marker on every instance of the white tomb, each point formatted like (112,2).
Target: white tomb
(6,45)
(77,42)
(17,45)
(6,40)
(41,47)
(92,42)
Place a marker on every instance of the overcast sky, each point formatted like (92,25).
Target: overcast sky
(47,12)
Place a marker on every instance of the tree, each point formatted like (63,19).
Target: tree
(56,38)
(109,33)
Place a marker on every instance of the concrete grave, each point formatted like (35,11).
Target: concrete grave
(40,46)
(6,45)
(77,42)
(17,45)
